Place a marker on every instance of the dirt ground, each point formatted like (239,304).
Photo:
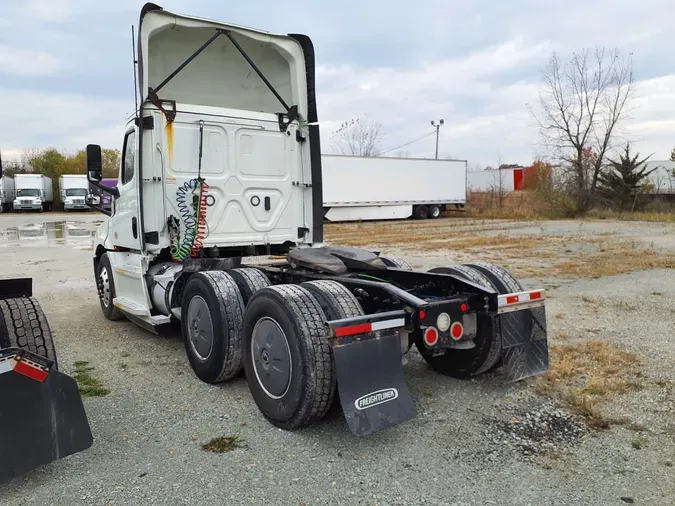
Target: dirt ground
(599,428)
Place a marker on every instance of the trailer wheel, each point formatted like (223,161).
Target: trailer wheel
(420,212)
(211,319)
(23,325)
(434,212)
(483,356)
(396,263)
(287,358)
(106,289)
(249,281)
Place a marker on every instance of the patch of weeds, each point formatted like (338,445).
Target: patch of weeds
(87,383)
(428,394)
(125,354)
(586,374)
(223,444)
(639,443)
(658,294)
(123,365)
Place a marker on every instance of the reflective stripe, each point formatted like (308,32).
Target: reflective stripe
(388,324)
(520,297)
(7,365)
(363,328)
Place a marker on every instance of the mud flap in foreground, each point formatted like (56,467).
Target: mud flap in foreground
(522,321)
(42,418)
(370,379)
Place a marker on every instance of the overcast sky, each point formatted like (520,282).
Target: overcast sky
(66,71)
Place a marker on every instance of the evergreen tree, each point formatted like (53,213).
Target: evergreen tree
(623,182)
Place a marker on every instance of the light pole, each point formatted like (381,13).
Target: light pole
(438,126)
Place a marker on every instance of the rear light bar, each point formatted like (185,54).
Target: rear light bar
(520,300)
(366,324)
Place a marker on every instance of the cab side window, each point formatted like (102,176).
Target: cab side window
(128,157)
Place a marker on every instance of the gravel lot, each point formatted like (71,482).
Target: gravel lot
(473,442)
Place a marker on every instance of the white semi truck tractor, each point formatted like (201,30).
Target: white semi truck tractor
(217,223)
(32,192)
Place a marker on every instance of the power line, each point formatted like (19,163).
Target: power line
(408,143)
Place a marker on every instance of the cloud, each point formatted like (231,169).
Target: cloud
(61,120)
(27,63)
(66,72)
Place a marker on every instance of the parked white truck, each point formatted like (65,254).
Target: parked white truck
(74,189)
(376,188)
(32,192)
(6,193)
(218,223)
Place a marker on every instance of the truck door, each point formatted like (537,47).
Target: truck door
(124,222)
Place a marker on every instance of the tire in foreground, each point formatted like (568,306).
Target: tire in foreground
(287,357)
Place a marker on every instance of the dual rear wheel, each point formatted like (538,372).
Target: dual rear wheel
(235,320)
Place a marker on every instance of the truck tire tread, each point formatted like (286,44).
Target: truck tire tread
(249,281)
(317,383)
(24,325)
(396,262)
(231,310)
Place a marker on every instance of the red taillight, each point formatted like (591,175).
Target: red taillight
(512,299)
(464,308)
(422,314)
(535,295)
(457,331)
(430,336)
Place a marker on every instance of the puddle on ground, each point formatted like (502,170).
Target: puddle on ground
(78,235)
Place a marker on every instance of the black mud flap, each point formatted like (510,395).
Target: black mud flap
(371,384)
(524,343)
(42,419)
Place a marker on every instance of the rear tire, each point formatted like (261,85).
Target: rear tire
(23,325)
(249,281)
(463,364)
(284,325)
(337,303)
(211,324)
(105,285)
(420,212)
(396,263)
(435,212)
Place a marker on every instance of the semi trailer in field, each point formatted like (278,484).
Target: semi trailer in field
(74,189)
(218,224)
(6,193)
(378,188)
(32,192)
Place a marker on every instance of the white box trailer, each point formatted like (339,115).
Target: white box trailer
(6,193)
(74,189)
(377,188)
(32,192)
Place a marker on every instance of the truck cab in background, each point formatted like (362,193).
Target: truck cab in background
(32,192)
(74,189)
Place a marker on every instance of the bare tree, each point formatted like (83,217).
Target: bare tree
(358,137)
(580,107)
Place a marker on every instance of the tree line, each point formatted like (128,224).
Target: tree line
(54,163)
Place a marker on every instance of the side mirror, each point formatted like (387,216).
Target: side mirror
(94,164)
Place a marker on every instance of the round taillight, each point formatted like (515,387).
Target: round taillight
(443,322)
(457,331)
(430,336)
(464,308)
